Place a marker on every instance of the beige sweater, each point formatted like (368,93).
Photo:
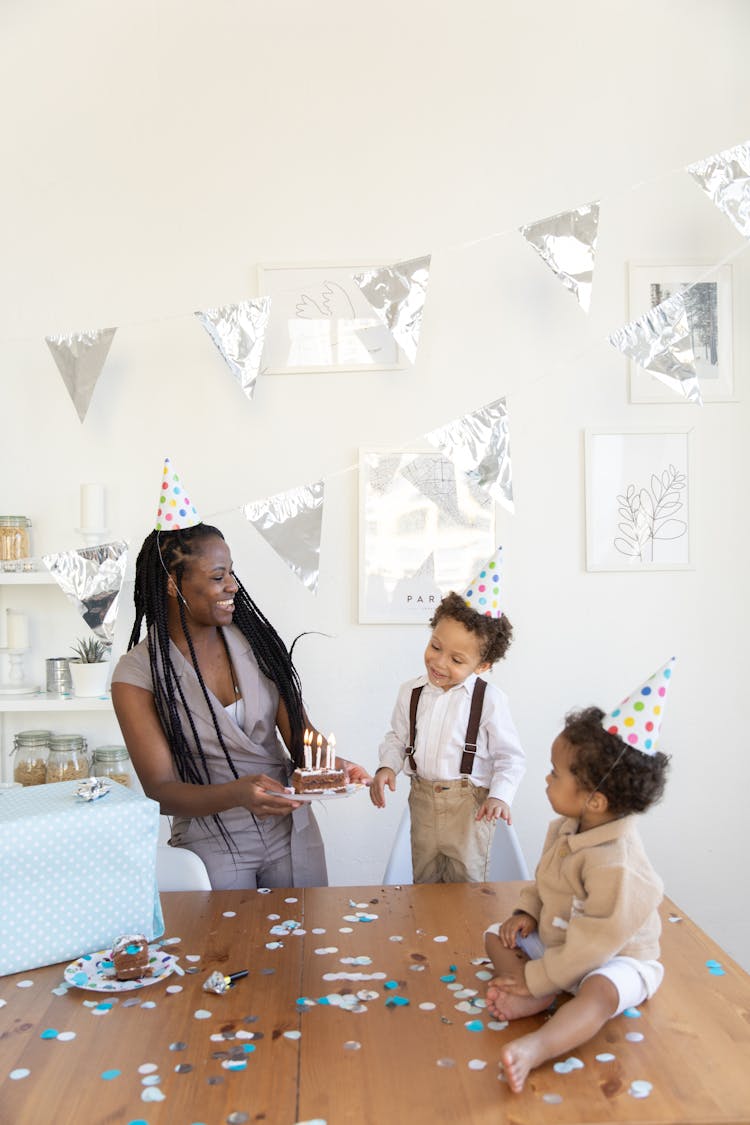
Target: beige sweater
(595,896)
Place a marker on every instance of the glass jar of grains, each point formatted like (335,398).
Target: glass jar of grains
(30,750)
(67,759)
(113,762)
(14,541)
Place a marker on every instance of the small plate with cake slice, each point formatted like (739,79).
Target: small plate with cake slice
(320,794)
(130,963)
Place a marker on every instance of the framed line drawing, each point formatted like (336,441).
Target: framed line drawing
(639,495)
(320,321)
(709,304)
(424,528)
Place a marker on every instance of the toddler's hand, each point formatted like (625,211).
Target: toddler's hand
(384,776)
(522,924)
(354,772)
(494,809)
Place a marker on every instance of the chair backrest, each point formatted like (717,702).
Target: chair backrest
(506,858)
(178,869)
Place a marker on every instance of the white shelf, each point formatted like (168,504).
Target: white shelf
(40,701)
(26,578)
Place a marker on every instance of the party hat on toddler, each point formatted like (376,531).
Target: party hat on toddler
(637,720)
(483,594)
(176,511)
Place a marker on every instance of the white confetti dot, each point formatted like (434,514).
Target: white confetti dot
(24,984)
(446,1062)
(292,1034)
(640,1089)
(352,1045)
(428,1006)
(229,914)
(395,937)
(151,1080)
(20,1073)
(4,1002)
(241,1034)
(273,917)
(477,1064)
(66,1036)
(483,975)
(171,941)
(147,1068)
(174,988)
(148,1004)
(291,900)
(634,1036)
(264,890)
(605,1057)
(440,937)
(317,929)
(152,1094)
(497,1025)
(346,930)
(202,1014)
(192,957)
(552,1099)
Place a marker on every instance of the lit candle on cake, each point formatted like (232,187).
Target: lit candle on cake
(331,753)
(318,746)
(307,739)
(17,631)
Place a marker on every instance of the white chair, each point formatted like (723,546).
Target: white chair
(506,858)
(178,869)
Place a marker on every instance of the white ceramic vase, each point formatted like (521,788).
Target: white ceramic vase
(89,680)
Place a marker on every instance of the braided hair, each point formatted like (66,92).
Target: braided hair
(165,556)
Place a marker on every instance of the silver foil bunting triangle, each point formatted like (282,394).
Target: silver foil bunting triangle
(291,523)
(239,332)
(725,178)
(479,445)
(80,357)
(92,578)
(567,243)
(660,342)
(397,294)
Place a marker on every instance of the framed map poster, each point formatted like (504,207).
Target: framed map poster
(424,528)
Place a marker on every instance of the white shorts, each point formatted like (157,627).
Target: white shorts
(634,980)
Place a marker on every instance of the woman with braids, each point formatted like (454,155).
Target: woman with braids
(200,701)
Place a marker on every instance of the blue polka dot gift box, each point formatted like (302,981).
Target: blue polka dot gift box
(74,874)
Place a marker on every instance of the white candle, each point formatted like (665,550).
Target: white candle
(92,507)
(331,753)
(308,751)
(18,630)
(317,751)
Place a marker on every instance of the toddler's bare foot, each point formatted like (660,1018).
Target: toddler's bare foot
(518,1058)
(504,1006)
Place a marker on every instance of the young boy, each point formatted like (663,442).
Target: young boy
(589,924)
(453,735)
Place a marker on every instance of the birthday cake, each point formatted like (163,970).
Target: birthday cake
(130,957)
(319,780)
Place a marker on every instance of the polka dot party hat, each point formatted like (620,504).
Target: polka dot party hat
(483,594)
(176,511)
(637,720)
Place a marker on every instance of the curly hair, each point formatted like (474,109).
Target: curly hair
(494,633)
(630,780)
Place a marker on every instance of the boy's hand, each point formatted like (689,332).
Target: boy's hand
(384,776)
(354,772)
(494,809)
(522,924)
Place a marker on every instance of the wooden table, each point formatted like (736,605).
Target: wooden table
(390,1063)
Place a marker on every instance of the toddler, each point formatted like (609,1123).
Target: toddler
(453,735)
(589,924)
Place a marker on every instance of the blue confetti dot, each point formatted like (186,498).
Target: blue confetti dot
(108,1075)
(448,978)
(248,1048)
(391,984)
(632,1013)
(49,1033)
(474,1025)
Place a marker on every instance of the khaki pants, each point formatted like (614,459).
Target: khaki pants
(448,845)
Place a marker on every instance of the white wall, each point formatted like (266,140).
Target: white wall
(155,153)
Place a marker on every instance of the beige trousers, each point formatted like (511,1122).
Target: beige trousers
(448,845)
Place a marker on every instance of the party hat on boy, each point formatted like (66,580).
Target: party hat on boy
(176,511)
(483,594)
(637,720)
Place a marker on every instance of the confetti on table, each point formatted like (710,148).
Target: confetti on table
(497,1025)
(483,975)
(552,1099)
(20,1073)
(716,970)
(291,900)
(446,1062)
(170,941)
(675,918)
(634,1037)
(455,987)
(428,1006)
(151,1080)
(201,1014)
(108,1075)
(292,1034)
(152,1094)
(147,1068)
(367,994)
(24,984)
(417,968)
(352,1045)
(49,1033)
(640,1089)
(449,978)
(345,930)
(317,929)
(397,1002)
(183,1068)
(570,1064)
(229,914)
(174,988)
(148,1004)
(473,1025)
(477,1064)
(192,956)
(440,937)
(66,1036)
(274,945)
(361,960)
(632,1013)
(605,1057)
(326,949)
(395,937)
(264,890)
(466,993)
(234,1064)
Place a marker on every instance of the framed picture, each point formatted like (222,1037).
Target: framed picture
(321,321)
(639,500)
(424,529)
(709,306)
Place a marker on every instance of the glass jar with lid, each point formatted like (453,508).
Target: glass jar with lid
(30,750)
(67,759)
(14,541)
(113,762)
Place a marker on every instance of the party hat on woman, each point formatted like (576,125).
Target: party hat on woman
(637,720)
(483,594)
(176,511)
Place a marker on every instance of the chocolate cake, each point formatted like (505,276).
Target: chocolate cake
(319,781)
(130,957)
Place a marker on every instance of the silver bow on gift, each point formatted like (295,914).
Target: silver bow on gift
(291,523)
(80,357)
(91,788)
(660,341)
(397,294)
(725,178)
(479,445)
(239,332)
(92,578)
(567,243)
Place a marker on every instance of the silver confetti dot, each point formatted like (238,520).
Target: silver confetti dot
(446,1062)
(352,1045)
(552,1099)
(237,1118)
(183,1068)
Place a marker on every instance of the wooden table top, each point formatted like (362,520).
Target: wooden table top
(257,1054)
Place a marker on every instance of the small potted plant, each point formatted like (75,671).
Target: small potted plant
(89,668)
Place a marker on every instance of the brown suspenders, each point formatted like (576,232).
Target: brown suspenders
(472,729)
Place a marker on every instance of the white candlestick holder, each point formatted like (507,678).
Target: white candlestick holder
(91,537)
(16,683)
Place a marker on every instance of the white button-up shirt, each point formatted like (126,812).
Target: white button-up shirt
(442,719)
